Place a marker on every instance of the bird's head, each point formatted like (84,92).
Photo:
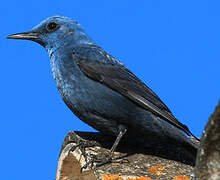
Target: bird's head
(55,32)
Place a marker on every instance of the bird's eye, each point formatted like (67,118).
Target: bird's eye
(52,26)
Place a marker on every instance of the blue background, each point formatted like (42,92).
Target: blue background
(173,46)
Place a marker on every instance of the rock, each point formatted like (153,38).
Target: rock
(153,160)
(208,157)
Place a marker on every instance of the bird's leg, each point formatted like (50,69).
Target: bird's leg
(109,158)
(114,146)
(101,161)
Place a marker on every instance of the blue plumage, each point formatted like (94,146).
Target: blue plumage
(99,89)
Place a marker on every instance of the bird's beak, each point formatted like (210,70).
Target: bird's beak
(25,35)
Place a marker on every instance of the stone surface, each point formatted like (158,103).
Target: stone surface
(153,160)
(208,158)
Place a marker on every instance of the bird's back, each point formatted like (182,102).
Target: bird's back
(98,105)
(92,102)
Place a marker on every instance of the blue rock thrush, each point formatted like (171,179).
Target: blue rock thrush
(100,90)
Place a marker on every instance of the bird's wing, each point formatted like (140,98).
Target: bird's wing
(120,79)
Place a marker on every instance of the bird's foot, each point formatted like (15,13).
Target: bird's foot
(100,161)
(82,145)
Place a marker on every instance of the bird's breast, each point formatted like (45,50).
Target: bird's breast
(66,76)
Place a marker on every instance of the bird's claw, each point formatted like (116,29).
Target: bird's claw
(73,148)
(94,159)
(82,145)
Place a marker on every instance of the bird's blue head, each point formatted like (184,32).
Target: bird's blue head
(56,32)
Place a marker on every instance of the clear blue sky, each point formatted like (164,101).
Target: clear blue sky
(173,46)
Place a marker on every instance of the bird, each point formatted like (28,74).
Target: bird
(99,89)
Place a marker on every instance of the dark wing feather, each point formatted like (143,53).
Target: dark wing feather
(126,83)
